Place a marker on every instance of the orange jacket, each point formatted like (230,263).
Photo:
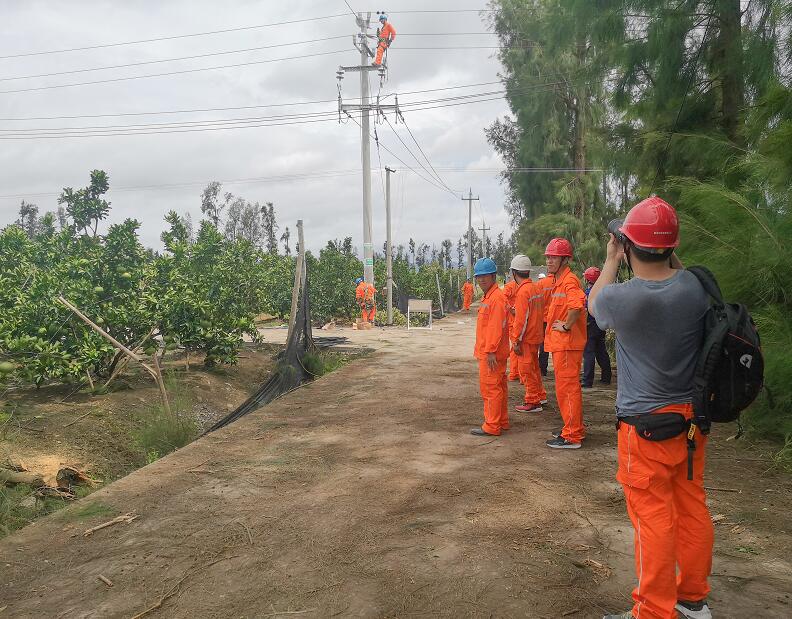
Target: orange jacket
(566,295)
(467,289)
(528,325)
(509,293)
(492,335)
(546,286)
(387,33)
(360,291)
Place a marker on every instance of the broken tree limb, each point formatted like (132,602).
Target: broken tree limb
(106,335)
(105,580)
(126,519)
(13,478)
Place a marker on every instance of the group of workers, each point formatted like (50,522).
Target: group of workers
(658,317)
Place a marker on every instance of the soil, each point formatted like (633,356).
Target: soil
(363,494)
(65,425)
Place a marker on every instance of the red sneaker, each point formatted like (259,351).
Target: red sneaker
(529,408)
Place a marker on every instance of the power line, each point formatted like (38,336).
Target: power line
(234,108)
(421,150)
(172,37)
(181,72)
(180,58)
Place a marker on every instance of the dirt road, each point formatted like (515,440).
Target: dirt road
(363,495)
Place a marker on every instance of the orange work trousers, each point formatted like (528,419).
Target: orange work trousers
(673,528)
(466,302)
(514,366)
(494,390)
(368,315)
(566,368)
(531,375)
(380,51)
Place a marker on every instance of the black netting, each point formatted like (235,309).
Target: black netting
(290,372)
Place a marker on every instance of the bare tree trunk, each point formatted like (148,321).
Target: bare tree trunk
(728,55)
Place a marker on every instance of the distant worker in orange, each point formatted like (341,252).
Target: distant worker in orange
(467,295)
(492,350)
(527,333)
(509,290)
(565,339)
(365,297)
(386,34)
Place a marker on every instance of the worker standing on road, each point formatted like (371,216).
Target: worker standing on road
(467,295)
(365,297)
(595,341)
(492,350)
(565,339)
(386,34)
(527,333)
(659,319)
(509,290)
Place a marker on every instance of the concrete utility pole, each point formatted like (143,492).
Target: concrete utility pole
(470,200)
(388,244)
(484,231)
(364,107)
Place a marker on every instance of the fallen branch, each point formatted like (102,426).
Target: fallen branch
(570,612)
(12,478)
(73,421)
(290,612)
(105,580)
(175,588)
(723,489)
(247,530)
(126,519)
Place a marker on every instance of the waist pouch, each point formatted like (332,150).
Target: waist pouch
(657,427)
(661,427)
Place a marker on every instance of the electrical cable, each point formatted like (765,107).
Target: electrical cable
(166,73)
(421,150)
(172,37)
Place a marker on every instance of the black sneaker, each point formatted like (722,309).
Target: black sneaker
(480,432)
(622,616)
(562,443)
(557,433)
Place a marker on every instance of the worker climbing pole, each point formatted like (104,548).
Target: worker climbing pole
(386,34)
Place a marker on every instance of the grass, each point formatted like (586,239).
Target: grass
(162,432)
(322,362)
(93,509)
(19,506)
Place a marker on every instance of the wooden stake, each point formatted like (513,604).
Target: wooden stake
(90,381)
(298,271)
(161,385)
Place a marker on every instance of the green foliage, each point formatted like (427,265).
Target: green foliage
(321,362)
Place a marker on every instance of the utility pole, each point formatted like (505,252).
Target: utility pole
(389,243)
(470,200)
(364,107)
(484,231)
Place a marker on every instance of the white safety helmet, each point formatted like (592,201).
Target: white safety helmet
(541,276)
(521,263)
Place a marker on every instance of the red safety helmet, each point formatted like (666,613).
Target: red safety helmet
(652,224)
(559,247)
(591,274)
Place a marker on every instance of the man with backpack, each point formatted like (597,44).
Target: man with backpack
(659,317)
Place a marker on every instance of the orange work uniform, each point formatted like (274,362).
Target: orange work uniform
(567,350)
(386,36)
(467,295)
(673,528)
(509,291)
(365,296)
(527,331)
(492,337)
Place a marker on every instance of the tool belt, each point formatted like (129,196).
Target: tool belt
(661,427)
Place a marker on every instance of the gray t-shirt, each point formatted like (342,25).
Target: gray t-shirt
(659,333)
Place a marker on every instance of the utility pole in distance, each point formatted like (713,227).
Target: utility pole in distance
(470,200)
(389,243)
(484,231)
(364,107)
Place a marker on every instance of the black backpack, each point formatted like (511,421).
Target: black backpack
(730,368)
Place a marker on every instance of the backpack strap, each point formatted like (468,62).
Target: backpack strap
(708,282)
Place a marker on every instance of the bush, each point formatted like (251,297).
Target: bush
(399,319)
(162,432)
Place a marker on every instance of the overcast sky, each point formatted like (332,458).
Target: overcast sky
(452,137)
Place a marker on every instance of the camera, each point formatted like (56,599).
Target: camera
(613,228)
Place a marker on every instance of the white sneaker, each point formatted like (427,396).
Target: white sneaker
(542,402)
(693,610)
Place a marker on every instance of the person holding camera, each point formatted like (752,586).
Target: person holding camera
(658,317)
(565,339)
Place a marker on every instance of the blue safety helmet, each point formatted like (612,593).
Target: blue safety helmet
(358,280)
(383,17)
(485,266)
